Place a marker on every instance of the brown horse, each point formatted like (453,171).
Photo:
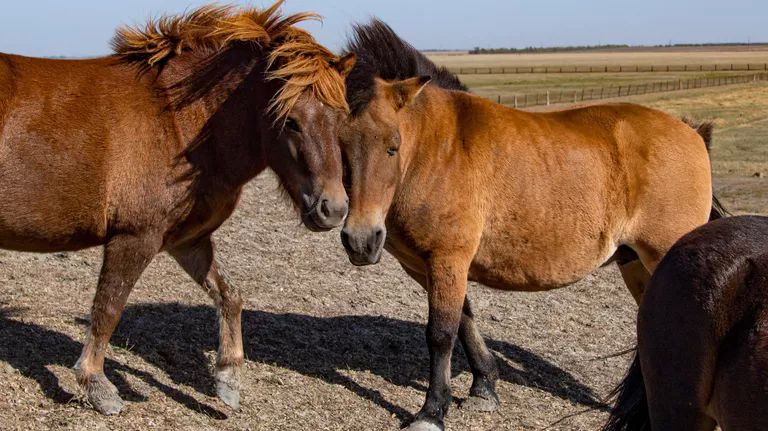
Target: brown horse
(458,188)
(702,335)
(148,151)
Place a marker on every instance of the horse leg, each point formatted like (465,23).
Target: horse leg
(125,258)
(634,273)
(446,290)
(485,371)
(199,262)
(679,365)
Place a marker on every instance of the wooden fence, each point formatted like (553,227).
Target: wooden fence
(587,94)
(731,67)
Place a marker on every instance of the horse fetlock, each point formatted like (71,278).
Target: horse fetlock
(103,395)
(228,385)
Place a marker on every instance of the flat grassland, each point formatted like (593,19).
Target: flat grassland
(330,346)
(660,57)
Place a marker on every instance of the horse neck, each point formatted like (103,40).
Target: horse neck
(221,119)
(430,128)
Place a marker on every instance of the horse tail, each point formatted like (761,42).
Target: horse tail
(630,410)
(705,129)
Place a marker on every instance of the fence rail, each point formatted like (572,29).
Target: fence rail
(730,67)
(599,93)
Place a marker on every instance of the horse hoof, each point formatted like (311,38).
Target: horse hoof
(103,396)
(228,386)
(424,426)
(480,404)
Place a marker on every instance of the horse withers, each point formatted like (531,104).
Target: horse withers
(702,333)
(148,151)
(459,188)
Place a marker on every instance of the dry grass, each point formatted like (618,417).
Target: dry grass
(329,346)
(662,58)
(510,85)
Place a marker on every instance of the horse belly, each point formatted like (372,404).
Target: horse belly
(528,264)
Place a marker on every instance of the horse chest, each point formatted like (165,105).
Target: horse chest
(204,217)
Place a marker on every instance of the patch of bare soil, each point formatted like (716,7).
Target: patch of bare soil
(329,346)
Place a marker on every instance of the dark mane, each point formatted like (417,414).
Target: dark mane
(382,53)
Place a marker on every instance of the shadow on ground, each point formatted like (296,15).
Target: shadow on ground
(173,337)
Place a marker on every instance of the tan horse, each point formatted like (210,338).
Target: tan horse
(148,150)
(458,188)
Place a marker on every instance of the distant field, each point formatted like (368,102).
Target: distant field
(528,83)
(602,58)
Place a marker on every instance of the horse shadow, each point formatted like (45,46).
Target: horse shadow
(30,349)
(174,337)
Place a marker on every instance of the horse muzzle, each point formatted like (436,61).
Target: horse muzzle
(364,247)
(326,214)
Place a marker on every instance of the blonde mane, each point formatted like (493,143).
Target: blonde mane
(293,55)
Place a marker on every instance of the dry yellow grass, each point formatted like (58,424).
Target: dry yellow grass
(603,58)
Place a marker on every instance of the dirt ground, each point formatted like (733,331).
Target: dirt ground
(329,346)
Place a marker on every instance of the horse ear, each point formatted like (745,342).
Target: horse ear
(406,91)
(345,64)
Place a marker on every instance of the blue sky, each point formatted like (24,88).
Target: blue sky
(84,27)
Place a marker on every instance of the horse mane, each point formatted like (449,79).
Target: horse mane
(292,54)
(382,53)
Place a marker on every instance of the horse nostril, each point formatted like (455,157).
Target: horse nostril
(324,208)
(376,240)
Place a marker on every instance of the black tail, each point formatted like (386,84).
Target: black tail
(630,411)
(718,210)
(705,129)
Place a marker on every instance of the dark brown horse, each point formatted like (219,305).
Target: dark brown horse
(702,334)
(458,188)
(148,151)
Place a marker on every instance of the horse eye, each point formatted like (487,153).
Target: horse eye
(292,125)
(392,152)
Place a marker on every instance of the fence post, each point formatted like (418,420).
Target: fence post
(499,99)
(547,97)
(515,100)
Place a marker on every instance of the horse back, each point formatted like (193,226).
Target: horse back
(569,187)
